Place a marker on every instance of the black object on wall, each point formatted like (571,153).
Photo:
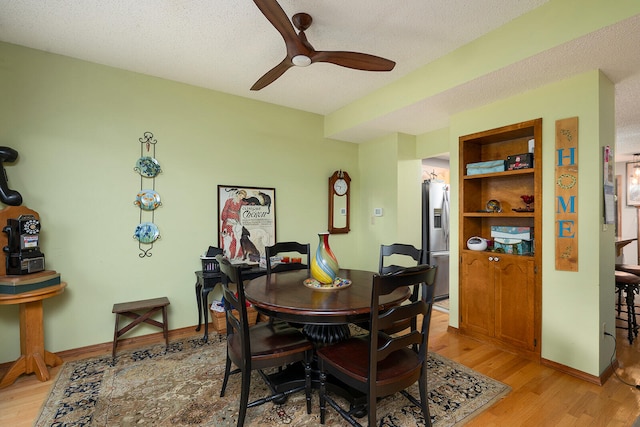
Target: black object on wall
(7,196)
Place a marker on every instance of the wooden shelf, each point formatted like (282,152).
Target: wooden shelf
(500,293)
(500,254)
(498,214)
(499,174)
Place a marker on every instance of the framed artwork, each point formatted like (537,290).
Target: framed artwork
(633,184)
(246,221)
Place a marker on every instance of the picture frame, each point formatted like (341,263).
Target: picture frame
(633,184)
(246,222)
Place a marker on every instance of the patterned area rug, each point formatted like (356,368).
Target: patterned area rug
(180,386)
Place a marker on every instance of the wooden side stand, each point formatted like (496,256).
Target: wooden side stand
(33,357)
(141,312)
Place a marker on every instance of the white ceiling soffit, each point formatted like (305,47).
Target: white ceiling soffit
(614,50)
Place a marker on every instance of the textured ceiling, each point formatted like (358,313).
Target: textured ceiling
(226,45)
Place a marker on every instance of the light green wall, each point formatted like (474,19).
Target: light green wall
(378,165)
(570,330)
(76,127)
(391,179)
(409,194)
(606,136)
(574,304)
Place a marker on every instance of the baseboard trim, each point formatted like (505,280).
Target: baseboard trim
(105,348)
(134,342)
(598,380)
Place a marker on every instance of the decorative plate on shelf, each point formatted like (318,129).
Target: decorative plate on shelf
(148,167)
(337,284)
(147,232)
(493,206)
(147,200)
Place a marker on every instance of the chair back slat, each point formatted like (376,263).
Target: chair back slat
(393,315)
(390,345)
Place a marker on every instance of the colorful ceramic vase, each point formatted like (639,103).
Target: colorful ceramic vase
(324,265)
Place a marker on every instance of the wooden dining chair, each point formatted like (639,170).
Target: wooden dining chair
(287,247)
(402,249)
(410,255)
(379,364)
(258,347)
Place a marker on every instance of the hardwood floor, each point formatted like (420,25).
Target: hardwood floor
(540,396)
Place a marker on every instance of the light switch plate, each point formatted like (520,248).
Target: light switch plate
(377,212)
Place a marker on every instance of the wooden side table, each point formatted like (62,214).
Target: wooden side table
(33,357)
(206,281)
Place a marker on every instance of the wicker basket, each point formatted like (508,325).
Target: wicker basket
(220,321)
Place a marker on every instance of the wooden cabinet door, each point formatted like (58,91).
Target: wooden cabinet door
(477,299)
(515,292)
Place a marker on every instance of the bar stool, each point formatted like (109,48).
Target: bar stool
(629,284)
(633,269)
(629,268)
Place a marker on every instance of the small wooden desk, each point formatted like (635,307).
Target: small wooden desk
(206,281)
(33,357)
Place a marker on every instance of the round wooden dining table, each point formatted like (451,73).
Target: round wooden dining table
(325,314)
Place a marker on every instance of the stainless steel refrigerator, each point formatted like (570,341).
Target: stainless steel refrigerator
(435,233)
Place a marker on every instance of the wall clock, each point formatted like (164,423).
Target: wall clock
(339,202)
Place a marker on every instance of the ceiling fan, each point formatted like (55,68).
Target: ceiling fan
(300,52)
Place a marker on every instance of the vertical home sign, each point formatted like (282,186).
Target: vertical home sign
(566,218)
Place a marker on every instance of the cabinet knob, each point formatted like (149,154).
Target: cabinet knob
(490,258)
(496,259)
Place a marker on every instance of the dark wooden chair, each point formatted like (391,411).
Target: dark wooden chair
(287,247)
(379,364)
(258,347)
(405,250)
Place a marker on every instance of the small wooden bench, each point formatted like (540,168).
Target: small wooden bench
(141,312)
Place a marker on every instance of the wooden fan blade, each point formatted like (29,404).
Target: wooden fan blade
(279,19)
(271,75)
(355,60)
